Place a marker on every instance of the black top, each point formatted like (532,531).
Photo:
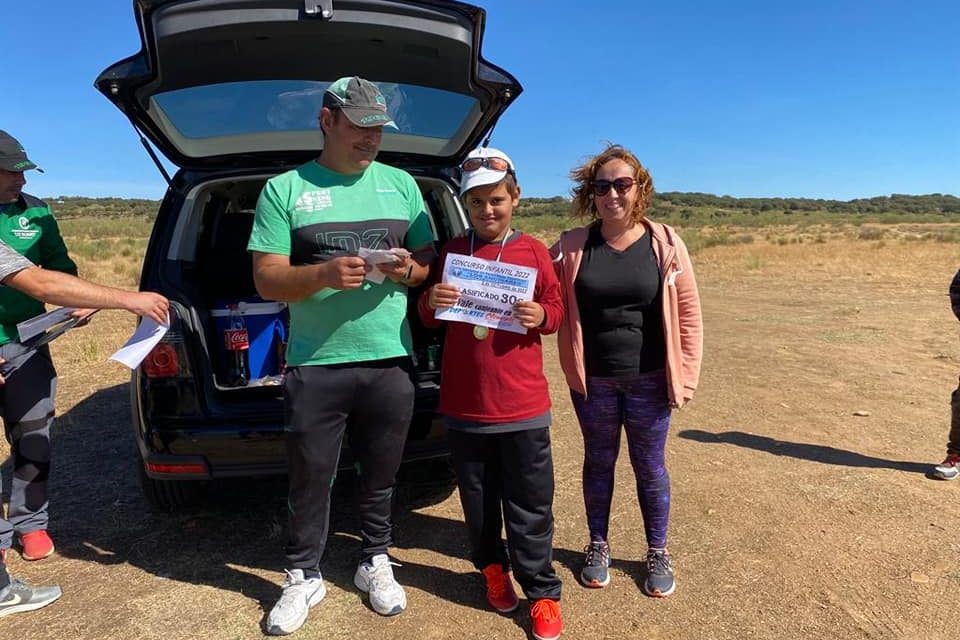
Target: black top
(619,298)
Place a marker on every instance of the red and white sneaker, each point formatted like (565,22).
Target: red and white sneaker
(36,545)
(500,592)
(949,469)
(546,620)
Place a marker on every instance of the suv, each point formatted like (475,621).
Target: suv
(229,91)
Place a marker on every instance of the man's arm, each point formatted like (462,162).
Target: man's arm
(63,289)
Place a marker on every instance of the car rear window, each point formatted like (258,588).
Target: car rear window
(261,107)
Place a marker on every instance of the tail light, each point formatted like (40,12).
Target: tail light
(169,358)
(177,469)
(162,362)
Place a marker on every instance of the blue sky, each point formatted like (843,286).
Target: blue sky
(833,99)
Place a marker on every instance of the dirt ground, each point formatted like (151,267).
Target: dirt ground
(792,516)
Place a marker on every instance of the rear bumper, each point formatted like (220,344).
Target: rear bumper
(210,451)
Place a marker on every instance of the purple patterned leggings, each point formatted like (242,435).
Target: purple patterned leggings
(640,405)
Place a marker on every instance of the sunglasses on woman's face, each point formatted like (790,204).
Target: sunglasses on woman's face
(494,163)
(602,187)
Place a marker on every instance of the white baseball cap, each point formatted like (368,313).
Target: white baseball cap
(484,165)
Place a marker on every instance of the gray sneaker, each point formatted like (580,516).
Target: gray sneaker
(594,573)
(949,469)
(659,581)
(299,594)
(20,596)
(375,578)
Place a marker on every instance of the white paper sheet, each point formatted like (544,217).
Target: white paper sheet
(38,324)
(373,257)
(145,338)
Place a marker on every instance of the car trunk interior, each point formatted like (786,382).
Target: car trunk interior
(209,261)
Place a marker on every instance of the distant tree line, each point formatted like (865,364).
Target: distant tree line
(672,206)
(670,203)
(65,207)
(895,203)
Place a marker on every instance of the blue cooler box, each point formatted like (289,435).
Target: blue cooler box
(265,326)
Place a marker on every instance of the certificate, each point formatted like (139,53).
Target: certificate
(488,291)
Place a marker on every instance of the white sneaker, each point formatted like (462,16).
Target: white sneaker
(375,578)
(949,469)
(299,594)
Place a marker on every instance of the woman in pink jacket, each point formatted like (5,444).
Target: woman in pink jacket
(630,347)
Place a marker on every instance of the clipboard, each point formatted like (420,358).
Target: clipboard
(30,346)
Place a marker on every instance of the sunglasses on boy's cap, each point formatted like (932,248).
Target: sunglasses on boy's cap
(484,166)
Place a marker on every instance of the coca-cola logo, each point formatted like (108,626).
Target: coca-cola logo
(236,339)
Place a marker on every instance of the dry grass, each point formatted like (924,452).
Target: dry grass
(791,516)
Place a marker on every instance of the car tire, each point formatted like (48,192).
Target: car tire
(168,496)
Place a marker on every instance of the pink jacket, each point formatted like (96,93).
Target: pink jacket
(682,321)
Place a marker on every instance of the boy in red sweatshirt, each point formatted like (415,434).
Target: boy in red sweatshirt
(494,396)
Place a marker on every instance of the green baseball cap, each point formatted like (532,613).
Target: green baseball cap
(12,155)
(360,100)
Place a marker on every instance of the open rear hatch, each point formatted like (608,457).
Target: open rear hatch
(238,83)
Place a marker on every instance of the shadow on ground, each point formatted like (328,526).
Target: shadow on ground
(99,515)
(804,451)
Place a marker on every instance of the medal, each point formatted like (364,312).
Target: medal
(480,333)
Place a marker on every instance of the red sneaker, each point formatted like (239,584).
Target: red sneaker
(546,620)
(500,593)
(36,545)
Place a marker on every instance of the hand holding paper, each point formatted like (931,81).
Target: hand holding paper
(143,340)
(376,257)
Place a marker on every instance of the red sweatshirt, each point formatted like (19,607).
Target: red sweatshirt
(500,378)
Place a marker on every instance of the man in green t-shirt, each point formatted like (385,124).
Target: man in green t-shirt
(349,351)
(27,399)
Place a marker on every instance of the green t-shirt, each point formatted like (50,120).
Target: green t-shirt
(28,227)
(313,214)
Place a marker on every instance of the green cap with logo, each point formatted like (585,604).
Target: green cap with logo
(360,100)
(12,155)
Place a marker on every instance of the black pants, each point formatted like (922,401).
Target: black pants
(508,477)
(953,440)
(372,403)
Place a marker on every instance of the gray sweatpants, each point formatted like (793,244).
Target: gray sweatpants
(26,406)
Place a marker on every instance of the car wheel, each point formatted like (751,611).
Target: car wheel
(170,495)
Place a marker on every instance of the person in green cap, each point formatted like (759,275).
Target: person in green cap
(27,405)
(17,273)
(349,354)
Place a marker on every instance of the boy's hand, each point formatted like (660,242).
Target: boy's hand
(529,313)
(443,296)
